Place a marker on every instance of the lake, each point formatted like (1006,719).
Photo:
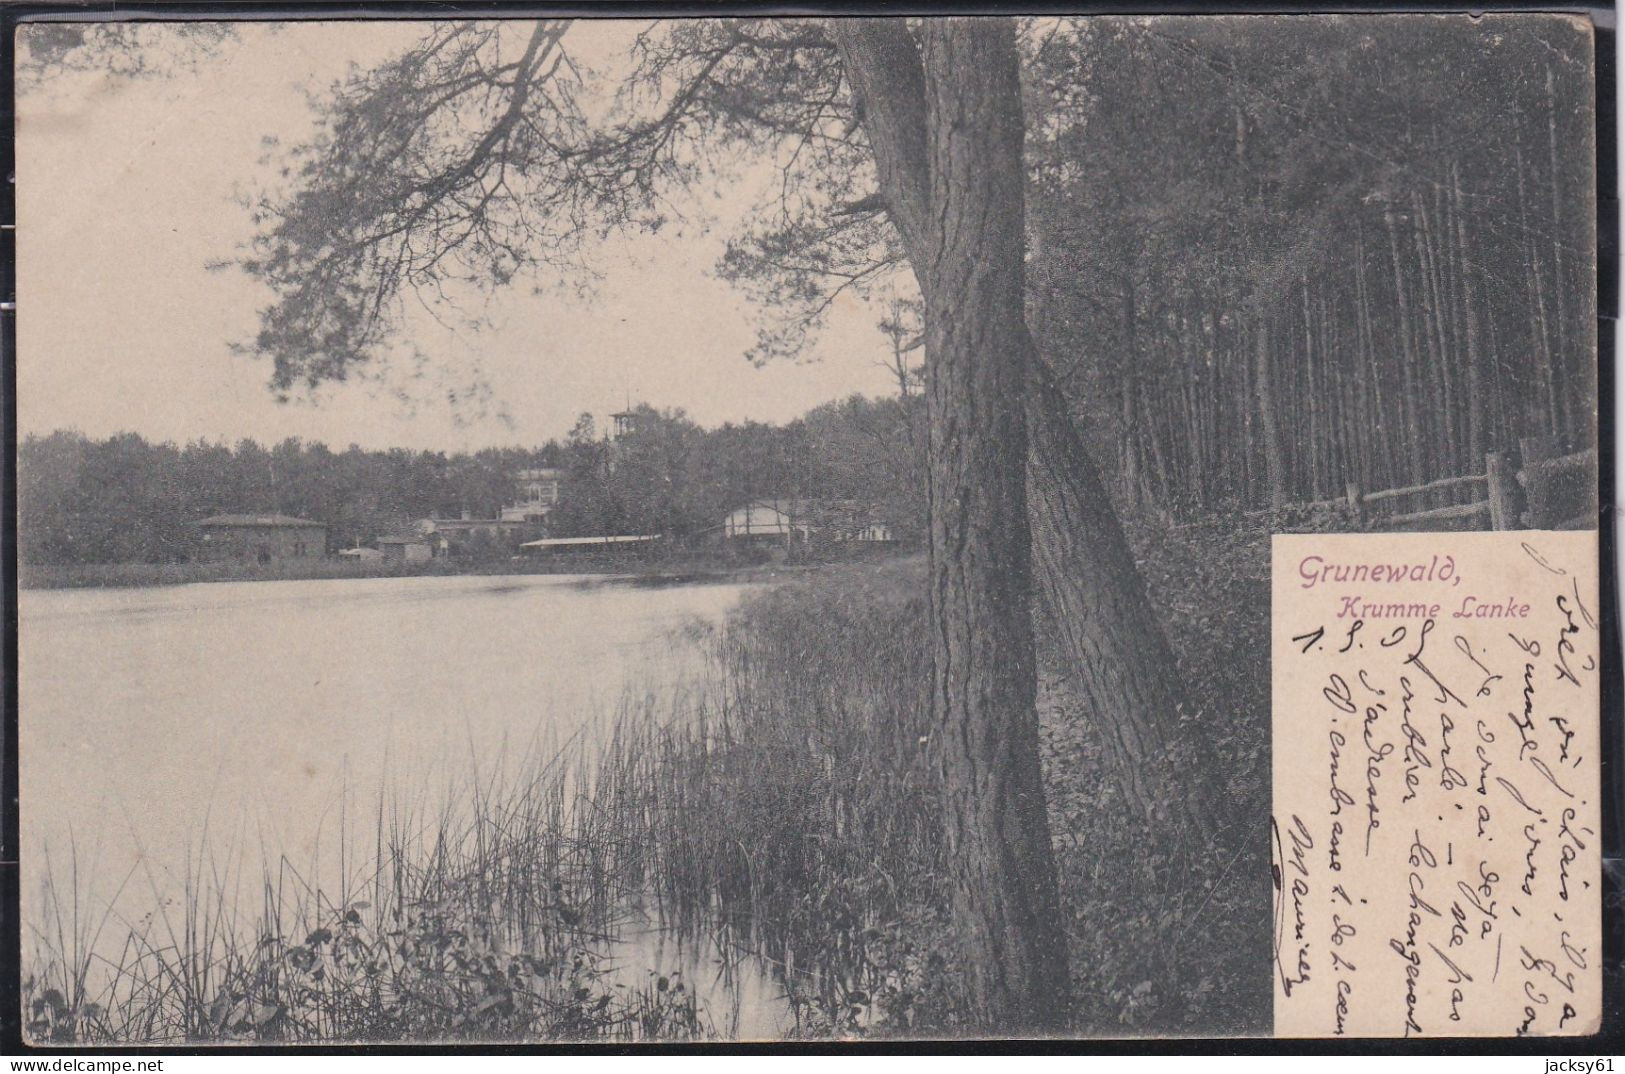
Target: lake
(262,718)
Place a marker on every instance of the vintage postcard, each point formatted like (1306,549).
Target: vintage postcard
(728,529)
(1437,828)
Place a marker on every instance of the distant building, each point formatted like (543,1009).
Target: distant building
(622,423)
(788,520)
(455,536)
(761,520)
(538,495)
(414,549)
(871,533)
(260,538)
(362,555)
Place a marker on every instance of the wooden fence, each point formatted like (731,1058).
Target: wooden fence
(1549,492)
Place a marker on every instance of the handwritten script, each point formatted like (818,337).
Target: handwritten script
(1435,827)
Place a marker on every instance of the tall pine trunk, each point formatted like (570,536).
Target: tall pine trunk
(945,122)
(981,569)
(1408,359)
(1476,444)
(1116,655)
(1560,348)
(1274,460)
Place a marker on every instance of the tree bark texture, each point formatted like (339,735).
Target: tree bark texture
(945,123)
(1118,659)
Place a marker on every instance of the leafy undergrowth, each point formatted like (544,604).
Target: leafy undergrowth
(1162,945)
(1159,945)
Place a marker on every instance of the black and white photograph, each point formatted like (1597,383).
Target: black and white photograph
(851,528)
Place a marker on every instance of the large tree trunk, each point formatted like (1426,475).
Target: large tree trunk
(1117,658)
(945,122)
(984,677)
(946,132)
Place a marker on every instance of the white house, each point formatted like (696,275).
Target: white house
(456,535)
(790,520)
(538,495)
(766,520)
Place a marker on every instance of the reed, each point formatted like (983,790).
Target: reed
(490,917)
(791,808)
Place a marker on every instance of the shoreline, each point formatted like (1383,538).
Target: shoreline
(603,571)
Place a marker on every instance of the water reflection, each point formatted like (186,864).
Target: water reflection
(222,726)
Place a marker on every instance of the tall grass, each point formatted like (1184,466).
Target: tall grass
(491,918)
(792,811)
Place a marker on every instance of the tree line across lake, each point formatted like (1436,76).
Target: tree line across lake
(124,499)
(1325,287)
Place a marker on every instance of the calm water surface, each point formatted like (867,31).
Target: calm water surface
(266,717)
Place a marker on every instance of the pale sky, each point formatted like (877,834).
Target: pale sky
(126,191)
